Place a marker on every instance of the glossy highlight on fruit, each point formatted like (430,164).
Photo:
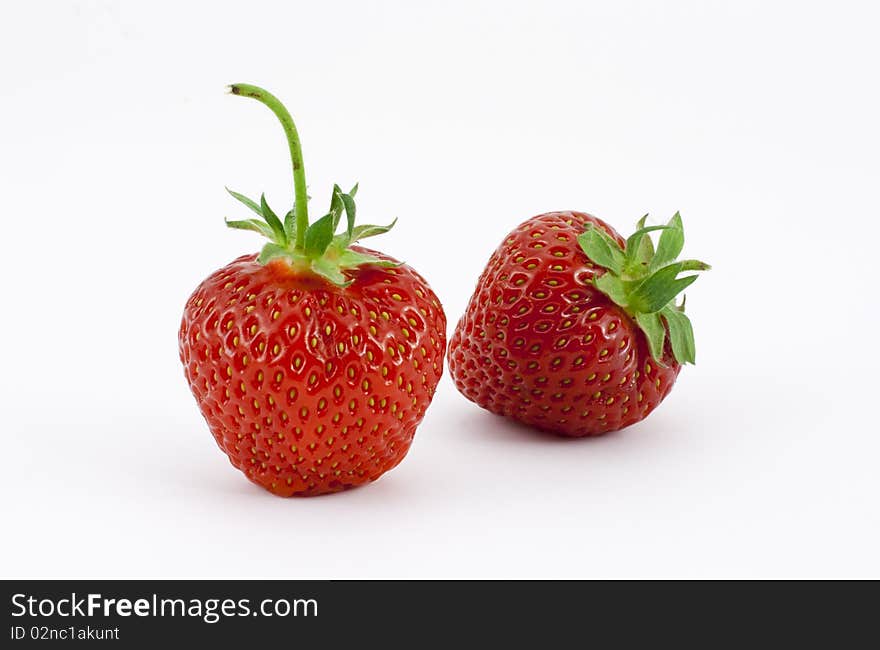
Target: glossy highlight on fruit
(541,343)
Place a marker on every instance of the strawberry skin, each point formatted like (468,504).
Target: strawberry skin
(309,387)
(314,361)
(540,343)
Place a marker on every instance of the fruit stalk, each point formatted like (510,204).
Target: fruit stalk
(301,210)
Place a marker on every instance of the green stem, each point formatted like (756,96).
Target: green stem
(299,172)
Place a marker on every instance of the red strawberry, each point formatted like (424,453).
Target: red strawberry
(572,329)
(314,361)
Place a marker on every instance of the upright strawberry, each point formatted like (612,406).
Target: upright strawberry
(313,361)
(573,330)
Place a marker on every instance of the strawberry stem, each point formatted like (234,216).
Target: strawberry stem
(301,210)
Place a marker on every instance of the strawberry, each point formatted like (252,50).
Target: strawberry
(314,361)
(573,330)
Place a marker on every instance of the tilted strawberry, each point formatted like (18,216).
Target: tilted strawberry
(573,330)
(314,361)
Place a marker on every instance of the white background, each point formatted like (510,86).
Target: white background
(758,120)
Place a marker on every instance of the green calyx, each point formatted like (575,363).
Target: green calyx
(314,247)
(645,282)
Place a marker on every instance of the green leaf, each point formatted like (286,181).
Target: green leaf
(349,258)
(254,225)
(655,332)
(362,232)
(639,248)
(613,287)
(645,250)
(273,221)
(330,270)
(681,335)
(353,190)
(693,265)
(319,235)
(670,244)
(602,249)
(290,224)
(348,202)
(250,203)
(336,206)
(655,291)
(644,253)
(271,251)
